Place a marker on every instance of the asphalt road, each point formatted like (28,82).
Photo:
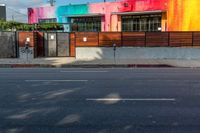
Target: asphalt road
(152,100)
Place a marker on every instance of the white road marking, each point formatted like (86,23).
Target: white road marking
(130,99)
(56,80)
(84,71)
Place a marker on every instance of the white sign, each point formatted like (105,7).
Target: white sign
(28,39)
(52,37)
(85,39)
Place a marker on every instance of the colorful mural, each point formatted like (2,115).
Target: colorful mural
(34,14)
(105,8)
(181,14)
(62,12)
(143,5)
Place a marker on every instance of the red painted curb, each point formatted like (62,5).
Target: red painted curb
(23,65)
(149,65)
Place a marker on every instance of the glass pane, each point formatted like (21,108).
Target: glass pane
(88,23)
(150,22)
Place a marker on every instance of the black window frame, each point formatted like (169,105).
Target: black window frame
(47,20)
(86,24)
(142,23)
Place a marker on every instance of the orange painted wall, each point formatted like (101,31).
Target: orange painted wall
(183,15)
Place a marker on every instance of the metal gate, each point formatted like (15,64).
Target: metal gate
(8,45)
(56,44)
(50,45)
(63,44)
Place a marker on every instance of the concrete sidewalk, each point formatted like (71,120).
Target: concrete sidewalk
(72,62)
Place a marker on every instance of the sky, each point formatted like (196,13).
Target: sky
(17,9)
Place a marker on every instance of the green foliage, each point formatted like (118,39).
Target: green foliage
(11,25)
(48,27)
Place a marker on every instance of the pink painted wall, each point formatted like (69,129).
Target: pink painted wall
(113,22)
(40,13)
(144,5)
(106,8)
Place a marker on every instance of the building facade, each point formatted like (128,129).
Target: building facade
(123,15)
(3,11)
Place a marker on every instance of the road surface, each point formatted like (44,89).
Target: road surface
(112,100)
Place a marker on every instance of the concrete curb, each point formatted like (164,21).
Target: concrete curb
(84,66)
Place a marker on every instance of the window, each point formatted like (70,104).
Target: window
(49,20)
(86,24)
(125,4)
(141,23)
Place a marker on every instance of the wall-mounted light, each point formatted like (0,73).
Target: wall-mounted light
(159,28)
(26,44)
(85,39)
(52,37)
(27,39)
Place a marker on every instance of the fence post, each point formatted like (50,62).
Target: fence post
(16,44)
(72,44)
(98,39)
(35,38)
(121,39)
(56,43)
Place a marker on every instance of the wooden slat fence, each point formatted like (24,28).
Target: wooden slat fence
(154,39)
(107,39)
(137,39)
(196,38)
(92,39)
(178,39)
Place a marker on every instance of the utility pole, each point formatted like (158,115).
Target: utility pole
(52,2)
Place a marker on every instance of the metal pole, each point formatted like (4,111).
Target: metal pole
(114,52)
(27,55)
(114,57)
